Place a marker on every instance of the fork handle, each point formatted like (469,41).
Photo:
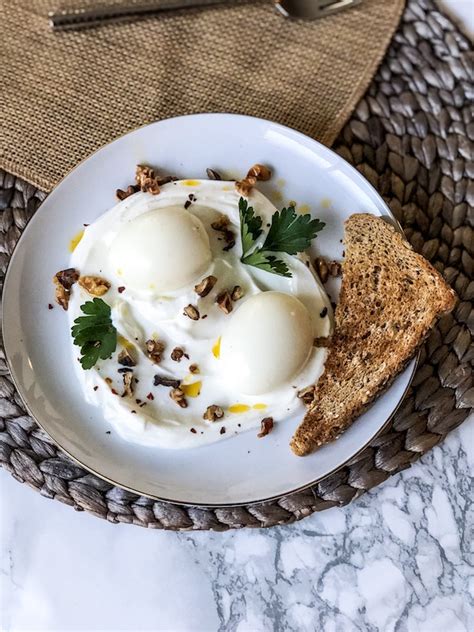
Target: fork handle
(87,17)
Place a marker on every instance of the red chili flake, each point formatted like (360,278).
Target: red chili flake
(95,388)
(222,430)
(193,430)
(150,396)
(114,391)
(50,306)
(121,289)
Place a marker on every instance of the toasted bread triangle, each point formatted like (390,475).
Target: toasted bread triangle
(390,298)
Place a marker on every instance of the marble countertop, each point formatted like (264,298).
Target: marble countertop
(397,559)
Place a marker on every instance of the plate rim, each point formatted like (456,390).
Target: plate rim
(19,387)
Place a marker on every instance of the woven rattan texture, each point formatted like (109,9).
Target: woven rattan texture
(411,136)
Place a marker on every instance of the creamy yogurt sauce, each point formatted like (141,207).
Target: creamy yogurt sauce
(251,362)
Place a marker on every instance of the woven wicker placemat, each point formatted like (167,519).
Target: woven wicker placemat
(411,136)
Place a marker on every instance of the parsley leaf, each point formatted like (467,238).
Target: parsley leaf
(250,225)
(267,262)
(94,333)
(290,232)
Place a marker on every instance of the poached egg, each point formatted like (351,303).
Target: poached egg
(251,361)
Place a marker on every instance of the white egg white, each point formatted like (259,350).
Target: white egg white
(143,313)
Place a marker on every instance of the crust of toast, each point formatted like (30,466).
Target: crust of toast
(390,298)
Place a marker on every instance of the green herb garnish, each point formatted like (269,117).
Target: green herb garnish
(289,232)
(250,225)
(94,333)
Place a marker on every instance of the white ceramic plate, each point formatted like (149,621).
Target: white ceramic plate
(242,469)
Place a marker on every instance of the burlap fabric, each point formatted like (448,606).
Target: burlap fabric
(411,136)
(64,95)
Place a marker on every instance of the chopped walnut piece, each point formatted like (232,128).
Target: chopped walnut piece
(64,280)
(221,226)
(61,294)
(335,268)
(255,173)
(146,179)
(224,301)
(192,312)
(203,288)
(165,179)
(94,285)
(326,268)
(213,412)
(159,380)
(177,354)
(213,175)
(221,223)
(307,395)
(266,426)
(127,384)
(67,277)
(154,350)
(322,268)
(126,358)
(321,341)
(193,368)
(237,293)
(177,395)
(261,172)
(130,190)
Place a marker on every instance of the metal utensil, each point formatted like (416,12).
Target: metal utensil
(101,14)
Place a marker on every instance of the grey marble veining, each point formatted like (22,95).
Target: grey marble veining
(398,559)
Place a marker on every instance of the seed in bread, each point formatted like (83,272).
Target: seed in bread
(390,298)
